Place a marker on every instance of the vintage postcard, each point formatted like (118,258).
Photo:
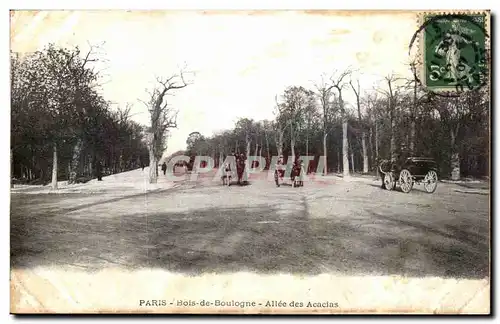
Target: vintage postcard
(250,162)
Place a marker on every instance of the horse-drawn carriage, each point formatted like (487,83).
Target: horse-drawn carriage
(406,173)
(296,175)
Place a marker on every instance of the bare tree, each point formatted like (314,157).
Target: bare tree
(81,75)
(391,94)
(417,100)
(295,101)
(245,127)
(324,92)
(371,103)
(278,127)
(163,117)
(339,84)
(357,93)
(453,113)
(267,126)
(70,77)
(123,116)
(310,117)
(413,111)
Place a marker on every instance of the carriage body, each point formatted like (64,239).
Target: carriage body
(419,167)
(406,173)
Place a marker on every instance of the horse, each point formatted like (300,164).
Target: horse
(227,174)
(279,172)
(240,167)
(297,169)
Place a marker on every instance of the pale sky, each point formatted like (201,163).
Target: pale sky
(241,60)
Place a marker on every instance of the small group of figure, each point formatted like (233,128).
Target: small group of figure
(240,169)
(163,167)
(296,174)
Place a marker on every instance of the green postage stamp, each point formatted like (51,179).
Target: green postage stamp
(454,49)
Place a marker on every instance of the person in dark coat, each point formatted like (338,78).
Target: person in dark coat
(99,171)
(164,168)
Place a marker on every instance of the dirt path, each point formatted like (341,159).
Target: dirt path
(347,227)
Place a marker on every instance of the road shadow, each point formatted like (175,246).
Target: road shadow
(474,185)
(263,239)
(417,189)
(105,200)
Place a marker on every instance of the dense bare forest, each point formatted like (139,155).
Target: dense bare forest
(62,128)
(397,119)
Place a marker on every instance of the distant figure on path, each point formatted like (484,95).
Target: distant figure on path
(142,165)
(99,171)
(164,168)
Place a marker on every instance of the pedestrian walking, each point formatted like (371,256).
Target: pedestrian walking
(164,168)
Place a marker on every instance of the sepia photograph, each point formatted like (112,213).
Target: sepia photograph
(250,161)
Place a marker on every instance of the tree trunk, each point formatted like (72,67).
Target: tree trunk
(54,166)
(412,119)
(279,143)
(366,166)
(455,166)
(376,142)
(307,143)
(393,140)
(153,158)
(325,172)
(412,135)
(455,159)
(267,148)
(247,149)
(33,167)
(372,151)
(153,167)
(11,167)
(345,149)
(75,162)
(352,161)
(339,158)
(122,162)
(157,159)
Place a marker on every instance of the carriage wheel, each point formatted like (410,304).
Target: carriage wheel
(389,182)
(405,181)
(430,181)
